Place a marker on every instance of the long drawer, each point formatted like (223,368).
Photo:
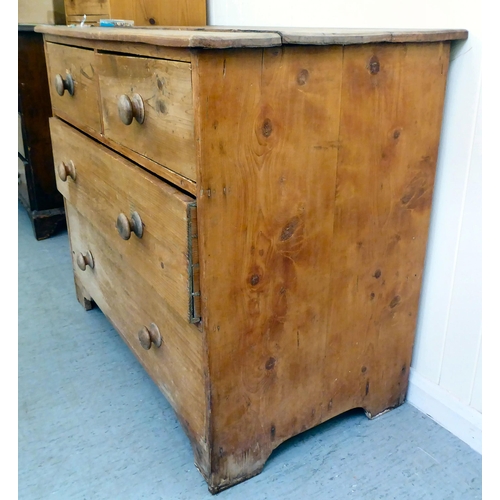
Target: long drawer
(149,225)
(169,348)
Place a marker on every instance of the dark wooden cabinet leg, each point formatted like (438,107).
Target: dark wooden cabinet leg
(37,188)
(48,222)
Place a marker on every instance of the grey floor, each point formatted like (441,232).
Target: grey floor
(92,425)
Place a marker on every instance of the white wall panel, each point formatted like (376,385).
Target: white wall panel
(463,334)
(476,399)
(457,137)
(336,13)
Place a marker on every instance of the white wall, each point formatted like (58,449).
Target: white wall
(445,380)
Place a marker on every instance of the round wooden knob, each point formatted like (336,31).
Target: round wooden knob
(66,169)
(130,108)
(84,260)
(149,335)
(126,227)
(63,84)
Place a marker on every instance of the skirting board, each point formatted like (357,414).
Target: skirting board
(452,414)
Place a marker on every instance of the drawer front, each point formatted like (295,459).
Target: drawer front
(76,65)
(128,301)
(157,93)
(115,196)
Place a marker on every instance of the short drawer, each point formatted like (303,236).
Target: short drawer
(169,348)
(147,106)
(74,85)
(150,225)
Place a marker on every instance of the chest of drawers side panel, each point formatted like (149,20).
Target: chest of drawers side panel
(265,217)
(315,210)
(392,104)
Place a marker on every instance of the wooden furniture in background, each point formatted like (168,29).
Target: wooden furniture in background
(37,188)
(142,12)
(40,12)
(250,210)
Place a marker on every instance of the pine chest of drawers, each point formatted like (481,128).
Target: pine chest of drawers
(250,209)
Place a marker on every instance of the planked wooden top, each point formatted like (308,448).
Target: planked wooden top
(222,37)
(169,37)
(351,36)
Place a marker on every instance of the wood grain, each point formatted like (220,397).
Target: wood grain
(107,185)
(350,36)
(156,51)
(325,189)
(142,12)
(128,301)
(392,100)
(268,182)
(160,13)
(183,183)
(89,7)
(353,36)
(168,38)
(167,134)
(83,107)
(234,37)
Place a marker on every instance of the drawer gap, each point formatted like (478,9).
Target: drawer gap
(142,56)
(194,266)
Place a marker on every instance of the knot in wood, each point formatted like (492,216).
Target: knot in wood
(254,280)
(395,301)
(270,363)
(374,65)
(289,229)
(273,431)
(267,127)
(302,77)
